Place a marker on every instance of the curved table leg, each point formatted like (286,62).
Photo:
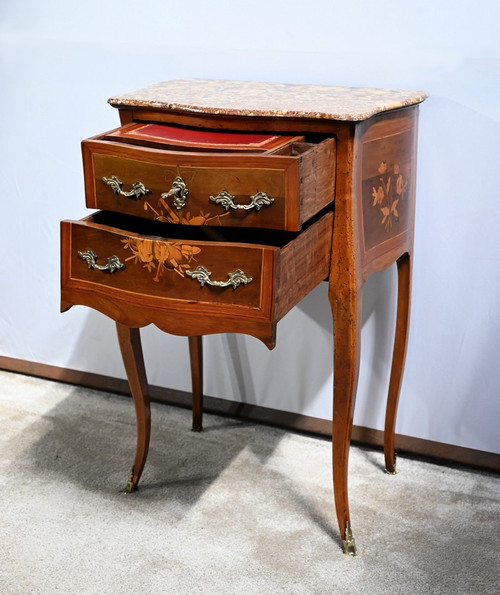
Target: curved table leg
(346,309)
(398,358)
(196,360)
(130,345)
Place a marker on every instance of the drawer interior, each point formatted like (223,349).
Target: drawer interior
(161,230)
(293,149)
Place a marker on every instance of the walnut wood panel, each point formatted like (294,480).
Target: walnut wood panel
(153,286)
(267,124)
(196,361)
(136,314)
(317,179)
(364,165)
(156,269)
(303,264)
(300,184)
(387,149)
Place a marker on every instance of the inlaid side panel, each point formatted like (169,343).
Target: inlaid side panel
(387,186)
(387,175)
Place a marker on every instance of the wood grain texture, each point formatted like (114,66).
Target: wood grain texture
(404,265)
(303,264)
(130,345)
(196,361)
(386,188)
(157,281)
(299,184)
(222,122)
(362,166)
(317,179)
(345,294)
(178,304)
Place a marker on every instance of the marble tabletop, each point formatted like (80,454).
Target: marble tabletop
(241,98)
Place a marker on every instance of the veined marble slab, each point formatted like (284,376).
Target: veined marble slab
(240,98)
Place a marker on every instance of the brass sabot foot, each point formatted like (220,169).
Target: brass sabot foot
(348,543)
(131,484)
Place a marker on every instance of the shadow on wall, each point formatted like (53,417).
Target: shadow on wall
(377,342)
(96,350)
(296,376)
(453,370)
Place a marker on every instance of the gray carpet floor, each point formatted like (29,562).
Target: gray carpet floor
(239,508)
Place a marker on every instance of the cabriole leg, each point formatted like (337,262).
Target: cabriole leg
(398,359)
(196,360)
(346,311)
(131,349)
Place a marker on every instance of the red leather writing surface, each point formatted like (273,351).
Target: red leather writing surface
(173,134)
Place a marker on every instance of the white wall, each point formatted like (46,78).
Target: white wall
(62,60)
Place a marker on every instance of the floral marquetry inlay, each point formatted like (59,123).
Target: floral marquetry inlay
(388,164)
(162,211)
(160,256)
(387,192)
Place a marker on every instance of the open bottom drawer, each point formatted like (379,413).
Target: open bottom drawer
(191,281)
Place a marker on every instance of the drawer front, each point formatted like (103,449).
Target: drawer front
(266,191)
(200,276)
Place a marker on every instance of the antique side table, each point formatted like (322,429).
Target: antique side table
(220,205)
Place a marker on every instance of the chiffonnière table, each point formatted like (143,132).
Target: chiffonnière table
(219,205)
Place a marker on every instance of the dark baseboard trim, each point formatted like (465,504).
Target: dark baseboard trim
(406,445)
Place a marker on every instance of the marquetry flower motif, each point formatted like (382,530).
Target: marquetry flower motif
(160,256)
(390,188)
(164,212)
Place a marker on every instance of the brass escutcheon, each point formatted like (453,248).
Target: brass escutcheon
(179,192)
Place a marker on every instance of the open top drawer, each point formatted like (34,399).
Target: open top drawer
(198,177)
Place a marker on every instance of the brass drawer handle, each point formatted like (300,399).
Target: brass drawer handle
(112,263)
(236,278)
(257,201)
(138,188)
(179,192)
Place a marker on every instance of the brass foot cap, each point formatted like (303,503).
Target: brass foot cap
(129,488)
(349,543)
(131,484)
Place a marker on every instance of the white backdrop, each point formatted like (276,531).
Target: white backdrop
(62,60)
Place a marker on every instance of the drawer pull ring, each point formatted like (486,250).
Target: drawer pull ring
(138,188)
(179,192)
(257,201)
(236,278)
(112,264)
